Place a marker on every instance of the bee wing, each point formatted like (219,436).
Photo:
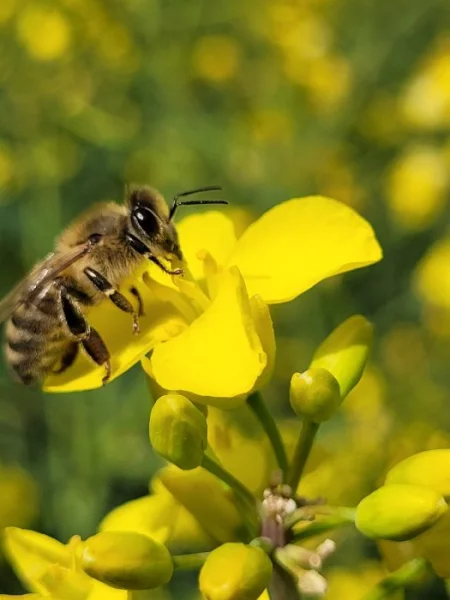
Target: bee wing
(30,288)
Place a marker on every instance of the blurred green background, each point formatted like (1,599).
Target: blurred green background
(271,99)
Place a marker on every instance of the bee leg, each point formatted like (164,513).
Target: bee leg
(141,248)
(97,350)
(72,316)
(68,358)
(140,302)
(83,332)
(103,285)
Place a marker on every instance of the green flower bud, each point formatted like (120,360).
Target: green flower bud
(345,351)
(235,571)
(127,560)
(315,394)
(178,431)
(399,511)
(429,469)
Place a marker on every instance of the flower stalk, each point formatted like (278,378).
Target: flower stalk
(243,494)
(187,562)
(267,421)
(411,572)
(302,451)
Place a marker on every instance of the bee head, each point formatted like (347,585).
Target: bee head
(149,218)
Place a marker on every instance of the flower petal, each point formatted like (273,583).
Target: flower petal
(211,231)
(301,242)
(32,554)
(233,434)
(220,355)
(206,498)
(161,320)
(161,517)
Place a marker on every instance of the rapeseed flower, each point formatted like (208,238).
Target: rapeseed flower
(210,332)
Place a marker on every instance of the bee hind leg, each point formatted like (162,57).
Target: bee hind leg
(97,350)
(103,285)
(83,333)
(68,358)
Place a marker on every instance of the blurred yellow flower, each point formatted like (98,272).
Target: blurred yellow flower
(432,276)
(425,102)
(44,31)
(19,499)
(216,327)
(7,9)
(416,186)
(353,583)
(216,58)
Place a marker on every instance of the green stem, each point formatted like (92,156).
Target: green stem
(302,450)
(257,405)
(239,488)
(342,514)
(409,573)
(186,562)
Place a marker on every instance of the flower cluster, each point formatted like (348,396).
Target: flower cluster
(212,347)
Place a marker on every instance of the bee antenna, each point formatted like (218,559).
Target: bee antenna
(176,202)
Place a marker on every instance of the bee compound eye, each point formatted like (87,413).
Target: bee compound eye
(145,220)
(94,238)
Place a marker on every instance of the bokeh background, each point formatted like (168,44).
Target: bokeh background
(271,99)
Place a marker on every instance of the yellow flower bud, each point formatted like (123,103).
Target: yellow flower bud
(315,394)
(345,351)
(430,469)
(399,511)
(127,560)
(178,431)
(235,572)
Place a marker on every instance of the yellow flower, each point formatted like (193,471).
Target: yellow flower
(214,322)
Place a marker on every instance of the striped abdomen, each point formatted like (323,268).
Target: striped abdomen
(35,338)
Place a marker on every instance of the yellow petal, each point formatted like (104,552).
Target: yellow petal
(100,591)
(220,355)
(150,515)
(211,231)
(32,554)
(206,498)
(301,242)
(160,322)
(264,328)
(237,433)
(63,582)
(163,518)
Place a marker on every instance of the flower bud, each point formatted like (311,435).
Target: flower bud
(127,560)
(399,511)
(429,469)
(315,394)
(178,431)
(345,351)
(235,571)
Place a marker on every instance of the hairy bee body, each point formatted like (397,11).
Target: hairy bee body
(47,312)
(37,339)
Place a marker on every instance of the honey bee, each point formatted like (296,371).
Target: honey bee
(47,312)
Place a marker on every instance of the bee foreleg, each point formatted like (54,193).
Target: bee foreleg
(141,248)
(103,285)
(97,350)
